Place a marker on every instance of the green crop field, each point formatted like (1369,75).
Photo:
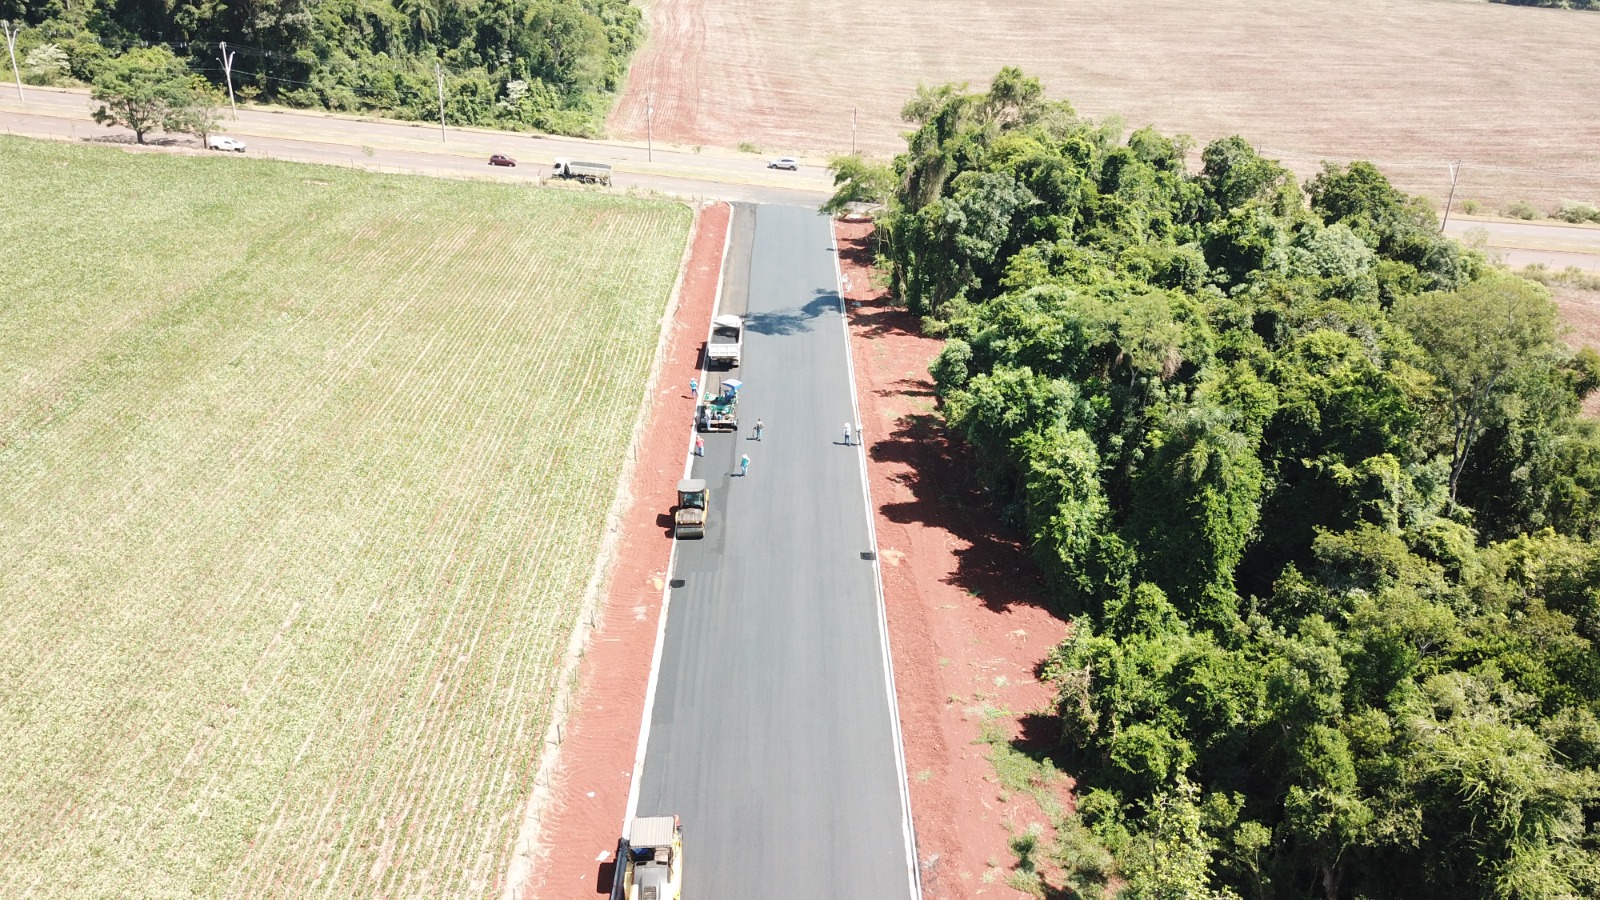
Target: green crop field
(302,474)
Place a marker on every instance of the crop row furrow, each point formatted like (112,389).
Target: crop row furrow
(297,563)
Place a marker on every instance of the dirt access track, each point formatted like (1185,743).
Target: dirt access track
(1411,85)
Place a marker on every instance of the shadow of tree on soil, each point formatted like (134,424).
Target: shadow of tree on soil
(996,566)
(1038,736)
(877,315)
(858,251)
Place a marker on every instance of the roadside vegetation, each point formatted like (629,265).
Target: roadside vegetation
(1571,211)
(1311,483)
(1559,4)
(548,65)
(303,472)
(1578,213)
(1571,276)
(148,89)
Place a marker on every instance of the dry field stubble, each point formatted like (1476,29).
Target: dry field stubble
(302,475)
(1408,84)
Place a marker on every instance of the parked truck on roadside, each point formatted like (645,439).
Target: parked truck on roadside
(727,341)
(589,172)
(650,861)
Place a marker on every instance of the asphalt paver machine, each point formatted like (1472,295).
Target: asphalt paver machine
(720,412)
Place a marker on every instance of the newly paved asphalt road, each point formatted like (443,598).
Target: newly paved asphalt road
(771,733)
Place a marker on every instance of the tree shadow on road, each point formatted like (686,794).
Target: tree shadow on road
(149,141)
(793,319)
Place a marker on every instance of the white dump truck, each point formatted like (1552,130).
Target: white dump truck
(650,861)
(727,341)
(590,172)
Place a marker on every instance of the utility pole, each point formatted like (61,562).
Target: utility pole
(649,119)
(439,70)
(852,131)
(11,44)
(1455,171)
(227,73)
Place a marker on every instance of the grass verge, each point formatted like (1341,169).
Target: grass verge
(1058,858)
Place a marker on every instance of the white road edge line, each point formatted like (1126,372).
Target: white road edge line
(672,566)
(912,863)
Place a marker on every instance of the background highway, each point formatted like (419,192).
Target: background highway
(772,733)
(419,148)
(705,172)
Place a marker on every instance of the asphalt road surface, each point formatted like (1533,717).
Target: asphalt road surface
(772,733)
(1554,244)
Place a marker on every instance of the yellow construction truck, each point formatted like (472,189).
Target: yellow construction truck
(650,861)
(689,516)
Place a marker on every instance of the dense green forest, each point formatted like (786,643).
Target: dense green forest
(550,65)
(1311,483)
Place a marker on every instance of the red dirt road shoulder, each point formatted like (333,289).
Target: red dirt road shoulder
(589,783)
(967,624)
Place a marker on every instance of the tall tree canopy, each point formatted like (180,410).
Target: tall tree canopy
(1308,477)
(546,64)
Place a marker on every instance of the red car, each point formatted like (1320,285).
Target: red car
(500,159)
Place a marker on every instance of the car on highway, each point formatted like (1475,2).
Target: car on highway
(500,159)
(785,162)
(223,142)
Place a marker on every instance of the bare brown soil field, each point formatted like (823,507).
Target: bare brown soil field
(1408,84)
(1580,309)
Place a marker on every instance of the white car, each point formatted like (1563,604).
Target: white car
(223,142)
(785,162)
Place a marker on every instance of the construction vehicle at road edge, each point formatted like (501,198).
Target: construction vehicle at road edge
(727,341)
(720,412)
(689,516)
(650,860)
